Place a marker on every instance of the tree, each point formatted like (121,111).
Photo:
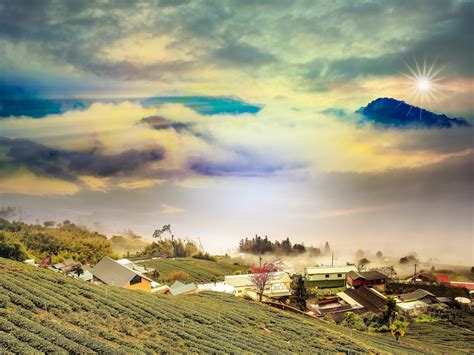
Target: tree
(12,249)
(260,277)
(362,263)
(398,329)
(390,311)
(359,254)
(379,254)
(300,294)
(327,249)
(353,321)
(178,275)
(159,232)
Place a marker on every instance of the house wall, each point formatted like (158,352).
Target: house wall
(145,285)
(322,276)
(379,284)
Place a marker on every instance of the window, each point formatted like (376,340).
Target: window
(339,275)
(327,276)
(136,280)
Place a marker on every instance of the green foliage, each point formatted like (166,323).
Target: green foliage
(170,248)
(114,320)
(398,329)
(300,295)
(204,256)
(74,316)
(353,321)
(10,248)
(259,245)
(442,290)
(326,292)
(64,241)
(389,311)
(199,271)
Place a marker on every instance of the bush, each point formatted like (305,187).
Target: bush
(178,276)
(204,256)
(352,320)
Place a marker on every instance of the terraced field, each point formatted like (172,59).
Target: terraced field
(41,311)
(200,271)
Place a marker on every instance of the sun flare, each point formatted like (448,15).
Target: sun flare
(425,81)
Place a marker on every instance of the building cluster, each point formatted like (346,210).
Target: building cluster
(358,291)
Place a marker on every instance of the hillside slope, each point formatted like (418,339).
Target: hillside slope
(199,271)
(48,312)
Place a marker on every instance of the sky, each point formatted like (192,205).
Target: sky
(228,119)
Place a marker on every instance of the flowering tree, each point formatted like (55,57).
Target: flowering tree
(260,276)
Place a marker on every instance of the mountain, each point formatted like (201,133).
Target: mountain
(388,112)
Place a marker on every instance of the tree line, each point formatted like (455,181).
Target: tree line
(258,245)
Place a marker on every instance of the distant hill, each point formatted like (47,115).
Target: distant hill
(388,112)
(46,312)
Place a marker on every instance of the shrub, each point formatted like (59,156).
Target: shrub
(204,256)
(178,276)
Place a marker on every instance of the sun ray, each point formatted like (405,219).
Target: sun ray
(425,81)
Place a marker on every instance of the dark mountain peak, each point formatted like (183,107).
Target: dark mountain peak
(389,112)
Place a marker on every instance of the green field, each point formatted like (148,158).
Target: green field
(199,271)
(41,311)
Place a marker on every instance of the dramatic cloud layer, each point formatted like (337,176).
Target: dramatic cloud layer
(228,118)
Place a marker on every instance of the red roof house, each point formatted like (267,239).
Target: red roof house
(468,285)
(442,279)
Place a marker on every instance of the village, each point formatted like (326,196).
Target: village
(330,292)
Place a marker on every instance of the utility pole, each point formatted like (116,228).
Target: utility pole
(332,259)
(414,273)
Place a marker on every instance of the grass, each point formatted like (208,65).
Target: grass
(199,271)
(41,311)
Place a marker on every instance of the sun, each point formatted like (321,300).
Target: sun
(425,81)
(423,84)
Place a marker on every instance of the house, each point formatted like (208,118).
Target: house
(278,285)
(467,285)
(161,290)
(67,266)
(110,272)
(179,288)
(367,278)
(133,266)
(423,278)
(416,302)
(364,299)
(442,279)
(419,295)
(327,276)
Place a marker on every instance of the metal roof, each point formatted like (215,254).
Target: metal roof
(178,288)
(330,269)
(367,275)
(112,273)
(372,301)
(416,295)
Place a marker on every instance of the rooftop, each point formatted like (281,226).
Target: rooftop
(178,288)
(366,297)
(367,275)
(111,272)
(330,269)
(416,295)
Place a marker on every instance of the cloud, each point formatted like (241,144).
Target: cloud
(65,165)
(350,211)
(168,209)
(241,55)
